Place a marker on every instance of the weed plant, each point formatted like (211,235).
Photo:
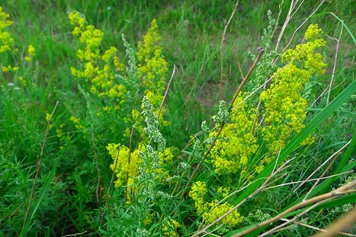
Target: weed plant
(163,119)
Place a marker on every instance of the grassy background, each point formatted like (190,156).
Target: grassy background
(191,33)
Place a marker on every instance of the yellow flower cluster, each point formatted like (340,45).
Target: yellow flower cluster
(169,228)
(9,68)
(224,191)
(98,69)
(62,136)
(77,123)
(31,53)
(210,211)
(152,67)
(121,165)
(285,108)
(197,193)
(6,41)
(217,210)
(165,160)
(236,142)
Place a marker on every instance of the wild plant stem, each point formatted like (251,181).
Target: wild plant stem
(38,167)
(223,123)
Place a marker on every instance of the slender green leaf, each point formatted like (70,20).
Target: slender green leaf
(347,28)
(41,195)
(294,143)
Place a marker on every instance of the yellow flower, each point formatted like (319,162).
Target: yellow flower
(312,31)
(121,165)
(169,228)
(217,210)
(197,193)
(6,41)
(31,53)
(236,143)
(9,68)
(285,108)
(97,69)
(211,211)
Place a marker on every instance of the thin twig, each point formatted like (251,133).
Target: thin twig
(286,21)
(279,227)
(342,224)
(318,98)
(239,67)
(331,195)
(97,191)
(327,160)
(221,48)
(309,180)
(202,160)
(116,161)
(244,201)
(334,67)
(260,52)
(297,7)
(38,166)
(315,228)
(166,93)
(301,25)
(129,162)
(77,234)
(230,108)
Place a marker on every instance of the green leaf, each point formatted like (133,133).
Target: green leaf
(293,144)
(40,197)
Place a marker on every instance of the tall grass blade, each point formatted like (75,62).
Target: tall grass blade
(40,198)
(294,143)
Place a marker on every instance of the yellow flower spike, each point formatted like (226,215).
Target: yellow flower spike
(120,163)
(285,108)
(169,228)
(31,53)
(236,143)
(217,210)
(211,211)
(152,68)
(6,41)
(312,31)
(109,54)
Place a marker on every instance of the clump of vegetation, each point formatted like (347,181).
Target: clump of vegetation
(102,136)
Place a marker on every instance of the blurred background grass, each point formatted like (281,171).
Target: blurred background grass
(191,33)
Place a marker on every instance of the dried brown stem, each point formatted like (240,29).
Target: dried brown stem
(39,165)
(221,49)
(128,162)
(342,224)
(244,201)
(316,170)
(286,21)
(97,191)
(223,123)
(261,50)
(116,161)
(300,26)
(318,229)
(166,93)
(331,195)
(280,227)
(334,66)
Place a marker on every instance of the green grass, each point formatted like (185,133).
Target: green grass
(72,195)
